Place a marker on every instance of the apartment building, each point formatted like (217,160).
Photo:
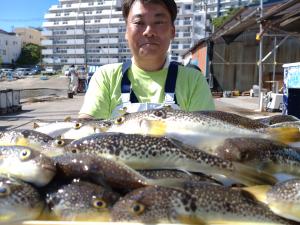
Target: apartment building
(29,35)
(92,32)
(10,47)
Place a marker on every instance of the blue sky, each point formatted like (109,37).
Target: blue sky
(23,13)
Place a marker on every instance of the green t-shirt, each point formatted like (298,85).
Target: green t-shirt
(104,92)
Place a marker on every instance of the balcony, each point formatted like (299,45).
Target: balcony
(47,33)
(108,40)
(47,51)
(46,42)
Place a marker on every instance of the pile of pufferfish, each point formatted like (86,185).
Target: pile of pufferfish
(155,166)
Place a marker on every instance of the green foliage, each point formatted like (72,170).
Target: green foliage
(30,55)
(219,21)
(1,60)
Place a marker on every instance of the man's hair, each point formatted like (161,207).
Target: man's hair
(170,4)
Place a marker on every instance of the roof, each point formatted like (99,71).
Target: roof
(284,17)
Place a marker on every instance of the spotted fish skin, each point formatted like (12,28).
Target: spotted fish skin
(34,139)
(130,122)
(208,204)
(202,129)
(81,200)
(104,171)
(26,164)
(261,153)
(18,201)
(153,205)
(161,174)
(284,199)
(271,120)
(226,203)
(147,152)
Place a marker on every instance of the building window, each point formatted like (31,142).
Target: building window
(56,22)
(188,7)
(65,22)
(91,3)
(198,18)
(57,14)
(68,5)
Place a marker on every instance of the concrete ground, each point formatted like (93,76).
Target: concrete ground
(47,100)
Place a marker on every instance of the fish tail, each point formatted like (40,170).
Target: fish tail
(250,176)
(259,192)
(285,134)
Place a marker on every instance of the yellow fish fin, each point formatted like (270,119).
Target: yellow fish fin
(22,141)
(287,210)
(192,220)
(155,127)
(259,192)
(285,134)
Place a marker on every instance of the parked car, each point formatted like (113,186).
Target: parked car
(49,71)
(19,72)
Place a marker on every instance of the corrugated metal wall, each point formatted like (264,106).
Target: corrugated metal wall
(245,49)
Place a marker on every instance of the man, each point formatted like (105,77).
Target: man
(145,82)
(73,79)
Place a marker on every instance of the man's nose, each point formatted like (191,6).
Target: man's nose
(149,31)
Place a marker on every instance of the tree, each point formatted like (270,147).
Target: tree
(30,55)
(219,21)
(0,59)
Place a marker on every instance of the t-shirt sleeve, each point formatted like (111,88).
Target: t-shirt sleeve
(99,99)
(192,91)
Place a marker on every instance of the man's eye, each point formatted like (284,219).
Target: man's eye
(138,23)
(160,22)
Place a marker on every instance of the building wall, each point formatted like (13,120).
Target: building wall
(29,35)
(10,47)
(240,70)
(200,57)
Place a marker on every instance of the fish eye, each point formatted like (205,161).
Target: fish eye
(137,208)
(120,120)
(74,151)
(59,142)
(4,191)
(25,154)
(78,125)
(99,203)
(159,114)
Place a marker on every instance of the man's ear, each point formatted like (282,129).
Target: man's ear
(173,32)
(126,37)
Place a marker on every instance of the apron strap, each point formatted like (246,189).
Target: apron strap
(169,86)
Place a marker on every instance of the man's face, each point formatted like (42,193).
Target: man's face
(149,30)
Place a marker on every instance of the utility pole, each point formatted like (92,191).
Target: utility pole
(84,34)
(260,58)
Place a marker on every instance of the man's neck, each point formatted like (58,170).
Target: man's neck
(151,65)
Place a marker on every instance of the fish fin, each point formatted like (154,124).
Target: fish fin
(168,182)
(155,127)
(22,141)
(35,125)
(250,176)
(285,134)
(188,219)
(67,119)
(259,192)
